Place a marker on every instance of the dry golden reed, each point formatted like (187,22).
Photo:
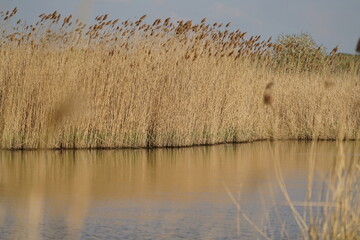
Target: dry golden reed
(330,209)
(134,84)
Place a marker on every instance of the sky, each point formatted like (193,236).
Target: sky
(330,22)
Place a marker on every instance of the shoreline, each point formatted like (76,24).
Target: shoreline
(173,147)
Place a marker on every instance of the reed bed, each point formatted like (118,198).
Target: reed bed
(116,84)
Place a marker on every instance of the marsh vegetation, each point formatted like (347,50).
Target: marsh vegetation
(115,84)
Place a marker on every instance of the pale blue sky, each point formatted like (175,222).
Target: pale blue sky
(330,22)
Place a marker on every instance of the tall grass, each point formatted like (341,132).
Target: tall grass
(132,84)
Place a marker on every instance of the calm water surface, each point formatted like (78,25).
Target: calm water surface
(157,194)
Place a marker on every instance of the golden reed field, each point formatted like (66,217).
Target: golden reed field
(115,84)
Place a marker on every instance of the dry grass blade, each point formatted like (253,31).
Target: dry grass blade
(303,227)
(246,218)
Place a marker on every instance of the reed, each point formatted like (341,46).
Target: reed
(116,84)
(330,210)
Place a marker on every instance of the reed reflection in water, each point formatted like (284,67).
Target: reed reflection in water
(149,194)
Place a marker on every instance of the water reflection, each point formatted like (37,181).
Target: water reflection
(151,194)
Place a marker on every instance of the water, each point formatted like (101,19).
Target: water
(158,194)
